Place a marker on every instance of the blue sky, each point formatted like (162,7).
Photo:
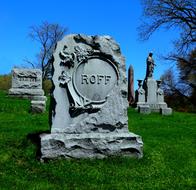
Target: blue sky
(118,19)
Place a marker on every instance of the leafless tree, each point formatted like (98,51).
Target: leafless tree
(47,35)
(169,14)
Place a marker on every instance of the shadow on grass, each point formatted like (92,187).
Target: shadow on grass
(36,140)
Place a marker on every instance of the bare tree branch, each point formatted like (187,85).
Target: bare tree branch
(47,35)
(170,14)
(29,62)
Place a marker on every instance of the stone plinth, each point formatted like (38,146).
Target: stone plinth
(151,91)
(150,97)
(89,101)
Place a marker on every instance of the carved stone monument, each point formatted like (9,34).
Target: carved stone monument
(27,83)
(89,101)
(150,89)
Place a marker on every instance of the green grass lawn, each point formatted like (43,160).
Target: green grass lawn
(169,160)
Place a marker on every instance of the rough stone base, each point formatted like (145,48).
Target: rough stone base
(166,111)
(94,145)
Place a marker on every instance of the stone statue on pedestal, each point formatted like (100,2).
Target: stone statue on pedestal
(150,96)
(150,66)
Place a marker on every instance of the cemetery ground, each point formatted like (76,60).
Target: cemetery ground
(169,160)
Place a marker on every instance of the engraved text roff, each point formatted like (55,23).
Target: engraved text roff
(95,78)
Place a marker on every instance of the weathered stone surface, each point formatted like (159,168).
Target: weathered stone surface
(38,106)
(26,83)
(91,145)
(89,114)
(27,78)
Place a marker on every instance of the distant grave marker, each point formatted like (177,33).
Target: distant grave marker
(27,83)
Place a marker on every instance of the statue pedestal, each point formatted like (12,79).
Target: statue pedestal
(151,91)
(154,98)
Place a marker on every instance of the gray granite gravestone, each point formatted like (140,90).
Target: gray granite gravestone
(27,83)
(89,103)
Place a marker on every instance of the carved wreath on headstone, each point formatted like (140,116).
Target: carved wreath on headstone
(89,76)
